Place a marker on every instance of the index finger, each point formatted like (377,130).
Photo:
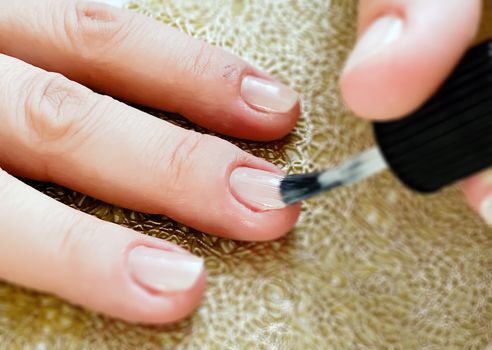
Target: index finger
(138,59)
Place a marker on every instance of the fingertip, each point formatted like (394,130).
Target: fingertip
(139,279)
(237,99)
(478,191)
(254,197)
(265,108)
(256,125)
(159,310)
(375,91)
(286,222)
(267,226)
(262,109)
(405,54)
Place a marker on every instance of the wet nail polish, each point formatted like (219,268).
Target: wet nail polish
(268,96)
(163,270)
(383,32)
(257,189)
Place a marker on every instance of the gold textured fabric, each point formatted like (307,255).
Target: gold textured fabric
(372,266)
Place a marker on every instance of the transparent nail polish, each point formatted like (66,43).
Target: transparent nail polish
(268,96)
(257,189)
(163,270)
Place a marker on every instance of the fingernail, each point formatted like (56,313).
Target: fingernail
(268,96)
(164,271)
(486,210)
(115,3)
(257,189)
(383,32)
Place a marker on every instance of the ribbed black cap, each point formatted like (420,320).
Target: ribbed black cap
(450,137)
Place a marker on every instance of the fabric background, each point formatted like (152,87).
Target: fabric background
(372,266)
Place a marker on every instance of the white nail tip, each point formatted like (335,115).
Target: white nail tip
(486,210)
(115,3)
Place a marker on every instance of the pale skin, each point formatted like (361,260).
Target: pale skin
(56,128)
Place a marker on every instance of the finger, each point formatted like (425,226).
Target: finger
(92,263)
(404,52)
(138,59)
(478,190)
(59,131)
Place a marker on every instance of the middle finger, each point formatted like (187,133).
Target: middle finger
(57,130)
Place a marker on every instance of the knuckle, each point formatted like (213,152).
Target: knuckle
(202,57)
(182,156)
(52,108)
(75,238)
(95,29)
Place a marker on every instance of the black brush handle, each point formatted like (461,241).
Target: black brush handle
(450,137)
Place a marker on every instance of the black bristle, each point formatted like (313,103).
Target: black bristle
(297,187)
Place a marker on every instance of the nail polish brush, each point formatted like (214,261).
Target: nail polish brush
(447,139)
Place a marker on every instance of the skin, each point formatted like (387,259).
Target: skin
(405,75)
(56,129)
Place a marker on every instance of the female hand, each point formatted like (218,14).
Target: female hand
(406,49)
(54,129)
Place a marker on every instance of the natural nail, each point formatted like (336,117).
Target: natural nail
(257,189)
(486,210)
(163,270)
(268,96)
(115,3)
(383,32)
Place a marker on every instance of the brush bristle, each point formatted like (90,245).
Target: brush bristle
(297,187)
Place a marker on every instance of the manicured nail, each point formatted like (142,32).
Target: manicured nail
(115,3)
(257,189)
(268,96)
(486,210)
(383,32)
(163,270)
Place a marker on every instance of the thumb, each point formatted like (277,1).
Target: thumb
(405,50)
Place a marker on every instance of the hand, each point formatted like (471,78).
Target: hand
(406,49)
(53,129)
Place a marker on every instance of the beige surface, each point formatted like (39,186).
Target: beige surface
(368,267)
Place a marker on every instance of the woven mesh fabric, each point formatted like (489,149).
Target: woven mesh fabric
(372,266)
